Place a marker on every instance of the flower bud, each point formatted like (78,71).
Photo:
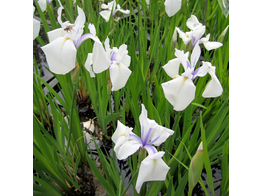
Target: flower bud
(195,168)
(75,74)
(222,35)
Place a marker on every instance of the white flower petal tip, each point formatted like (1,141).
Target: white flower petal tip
(172,7)
(60,55)
(180,92)
(152,168)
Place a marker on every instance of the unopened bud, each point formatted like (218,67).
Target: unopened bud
(222,35)
(75,74)
(195,168)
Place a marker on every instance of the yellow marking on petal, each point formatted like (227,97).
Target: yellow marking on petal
(176,76)
(185,78)
(212,70)
(154,165)
(121,135)
(64,41)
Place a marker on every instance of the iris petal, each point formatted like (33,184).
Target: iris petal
(152,168)
(180,92)
(60,55)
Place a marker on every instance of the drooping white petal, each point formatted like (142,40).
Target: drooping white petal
(193,23)
(172,7)
(120,135)
(105,14)
(172,67)
(126,59)
(121,10)
(213,87)
(100,58)
(60,55)
(152,168)
(183,58)
(88,64)
(212,45)
(52,35)
(180,92)
(127,148)
(119,75)
(184,36)
(36,28)
(42,4)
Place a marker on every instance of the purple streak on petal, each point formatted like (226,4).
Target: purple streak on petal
(112,56)
(155,139)
(188,64)
(145,141)
(150,148)
(114,12)
(142,132)
(82,39)
(135,137)
(195,73)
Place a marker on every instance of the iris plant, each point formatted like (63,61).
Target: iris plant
(116,59)
(196,33)
(180,91)
(64,42)
(111,6)
(152,168)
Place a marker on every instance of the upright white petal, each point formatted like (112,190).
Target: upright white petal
(195,55)
(100,58)
(88,64)
(193,23)
(183,58)
(60,55)
(152,168)
(119,75)
(105,14)
(80,20)
(92,28)
(172,7)
(213,87)
(172,67)
(180,92)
